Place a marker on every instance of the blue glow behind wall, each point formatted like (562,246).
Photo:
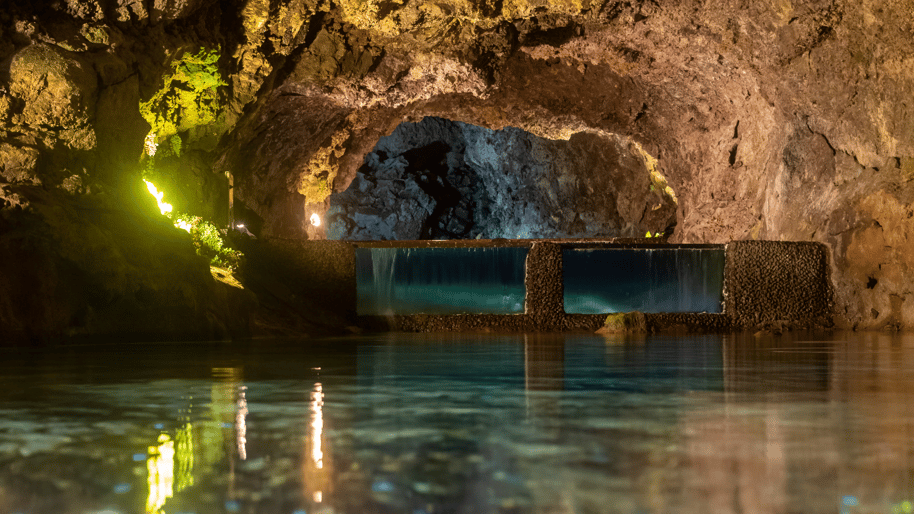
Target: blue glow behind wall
(440,280)
(607,280)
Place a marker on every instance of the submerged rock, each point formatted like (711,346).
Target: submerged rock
(624,323)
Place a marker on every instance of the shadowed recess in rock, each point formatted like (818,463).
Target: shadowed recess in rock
(442,179)
(647,280)
(440,280)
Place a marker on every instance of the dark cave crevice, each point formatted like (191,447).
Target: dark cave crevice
(442,179)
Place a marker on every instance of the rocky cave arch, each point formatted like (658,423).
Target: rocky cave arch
(301,145)
(442,179)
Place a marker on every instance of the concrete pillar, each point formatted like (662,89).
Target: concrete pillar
(770,281)
(544,301)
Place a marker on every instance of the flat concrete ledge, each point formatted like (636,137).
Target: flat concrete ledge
(689,322)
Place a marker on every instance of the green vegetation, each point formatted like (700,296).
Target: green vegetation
(188,105)
(174,143)
(208,242)
(189,97)
(624,323)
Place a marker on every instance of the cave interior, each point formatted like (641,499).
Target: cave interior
(694,123)
(218,177)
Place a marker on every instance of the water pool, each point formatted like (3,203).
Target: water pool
(462,424)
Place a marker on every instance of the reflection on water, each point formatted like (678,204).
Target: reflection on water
(314,477)
(196,445)
(161,466)
(464,424)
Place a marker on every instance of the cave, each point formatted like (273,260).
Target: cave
(454,257)
(285,112)
(440,179)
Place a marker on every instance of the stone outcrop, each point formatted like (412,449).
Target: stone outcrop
(769,120)
(79,267)
(439,179)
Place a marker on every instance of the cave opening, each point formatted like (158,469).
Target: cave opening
(440,179)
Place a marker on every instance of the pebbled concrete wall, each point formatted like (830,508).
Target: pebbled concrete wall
(777,281)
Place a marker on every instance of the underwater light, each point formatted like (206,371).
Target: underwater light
(163,207)
(315,220)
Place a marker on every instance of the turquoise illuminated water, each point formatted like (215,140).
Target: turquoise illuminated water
(488,280)
(462,424)
(680,279)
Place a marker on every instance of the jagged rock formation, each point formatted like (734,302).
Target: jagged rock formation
(439,179)
(770,120)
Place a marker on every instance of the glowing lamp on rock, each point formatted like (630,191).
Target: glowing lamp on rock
(315,220)
(163,206)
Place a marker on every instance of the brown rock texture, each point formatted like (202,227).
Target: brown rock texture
(770,120)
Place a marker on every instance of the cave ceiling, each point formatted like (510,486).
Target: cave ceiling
(770,120)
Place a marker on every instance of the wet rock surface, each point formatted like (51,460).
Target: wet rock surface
(440,179)
(77,267)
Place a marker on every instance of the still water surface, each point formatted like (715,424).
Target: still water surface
(463,424)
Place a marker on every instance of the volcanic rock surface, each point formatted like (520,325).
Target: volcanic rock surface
(769,120)
(439,179)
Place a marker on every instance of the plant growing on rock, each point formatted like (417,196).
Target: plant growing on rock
(188,104)
(189,97)
(208,242)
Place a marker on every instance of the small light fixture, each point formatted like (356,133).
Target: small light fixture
(315,220)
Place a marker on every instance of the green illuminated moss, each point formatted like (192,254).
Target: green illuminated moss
(208,242)
(624,323)
(189,97)
(175,144)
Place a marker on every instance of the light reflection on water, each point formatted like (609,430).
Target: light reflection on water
(463,424)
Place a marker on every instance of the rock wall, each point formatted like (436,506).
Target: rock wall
(76,267)
(770,120)
(440,179)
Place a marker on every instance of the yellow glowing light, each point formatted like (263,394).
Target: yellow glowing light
(184,457)
(164,207)
(318,496)
(241,428)
(317,425)
(160,465)
(183,225)
(315,220)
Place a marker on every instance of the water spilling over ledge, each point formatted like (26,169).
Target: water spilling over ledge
(611,280)
(572,284)
(440,280)
(490,280)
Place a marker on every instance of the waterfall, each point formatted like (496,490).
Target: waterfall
(440,280)
(607,280)
(490,280)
